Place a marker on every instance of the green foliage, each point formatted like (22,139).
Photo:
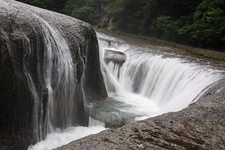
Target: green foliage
(167,26)
(192,22)
(87,10)
(119,32)
(208,28)
(209,22)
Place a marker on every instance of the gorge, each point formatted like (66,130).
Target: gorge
(57,74)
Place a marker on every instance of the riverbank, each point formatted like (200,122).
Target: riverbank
(165,45)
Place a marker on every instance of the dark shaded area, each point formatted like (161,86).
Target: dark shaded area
(198,23)
(93,82)
(17,100)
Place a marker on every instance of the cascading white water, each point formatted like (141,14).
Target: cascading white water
(153,82)
(59,78)
(61,137)
(46,62)
(59,73)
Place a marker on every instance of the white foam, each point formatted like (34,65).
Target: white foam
(59,138)
(154,84)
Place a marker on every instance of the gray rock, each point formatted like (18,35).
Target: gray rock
(23,94)
(114,56)
(199,126)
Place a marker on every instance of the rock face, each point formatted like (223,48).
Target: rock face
(114,56)
(199,126)
(33,75)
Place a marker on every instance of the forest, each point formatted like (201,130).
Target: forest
(199,23)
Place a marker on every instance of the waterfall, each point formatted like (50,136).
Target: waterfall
(51,73)
(52,81)
(60,80)
(149,83)
(154,81)
(49,67)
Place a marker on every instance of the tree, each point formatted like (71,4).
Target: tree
(87,10)
(208,28)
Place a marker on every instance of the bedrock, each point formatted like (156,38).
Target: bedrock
(199,126)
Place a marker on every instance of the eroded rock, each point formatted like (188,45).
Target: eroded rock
(116,57)
(27,32)
(199,126)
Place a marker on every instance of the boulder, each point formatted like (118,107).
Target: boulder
(26,34)
(114,56)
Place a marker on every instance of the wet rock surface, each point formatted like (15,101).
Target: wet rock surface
(114,56)
(23,51)
(108,111)
(199,126)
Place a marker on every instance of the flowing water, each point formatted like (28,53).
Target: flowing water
(149,83)
(59,78)
(153,82)
(141,82)
(61,137)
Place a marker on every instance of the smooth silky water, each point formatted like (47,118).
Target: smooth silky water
(149,83)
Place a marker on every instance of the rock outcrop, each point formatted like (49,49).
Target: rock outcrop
(27,32)
(199,126)
(114,56)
